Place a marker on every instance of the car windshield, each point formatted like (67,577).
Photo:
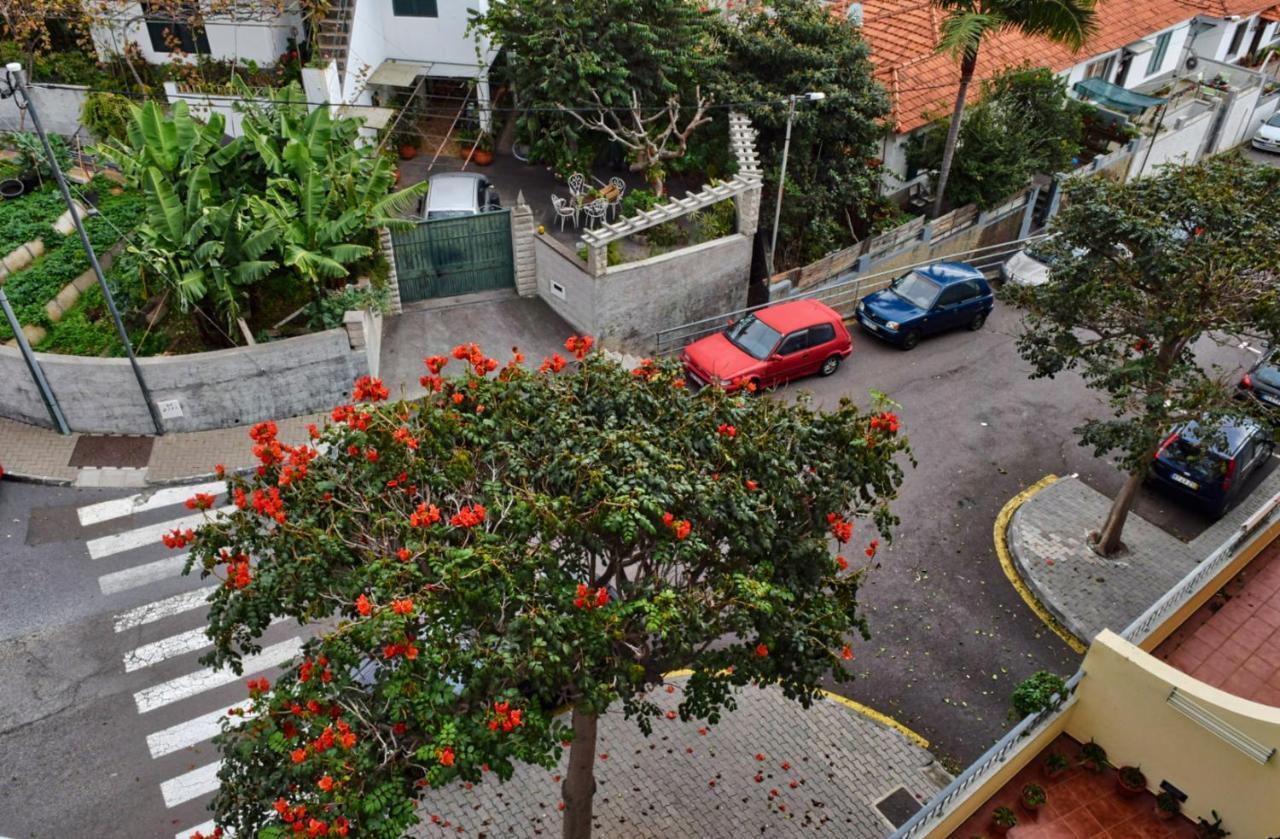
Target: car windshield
(917,290)
(1268,374)
(434,214)
(1274,122)
(753,336)
(1041,252)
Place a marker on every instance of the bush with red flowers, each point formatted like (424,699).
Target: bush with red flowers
(552,537)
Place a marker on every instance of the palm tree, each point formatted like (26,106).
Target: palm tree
(968,22)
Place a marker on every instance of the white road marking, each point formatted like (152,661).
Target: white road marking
(1253,350)
(161,609)
(186,734)
(150,535)
(182,687)
(171,647)
(119,507)
(140,575)
(166,648)
(190,785)
(206,829)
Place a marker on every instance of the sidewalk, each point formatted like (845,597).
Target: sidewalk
(840,767)
(1087,593)
(497,321)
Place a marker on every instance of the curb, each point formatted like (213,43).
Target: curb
(857,707)
(1001,538)
(42,480)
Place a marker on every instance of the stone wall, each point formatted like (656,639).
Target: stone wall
(213,390)
(58,105)
(628,304)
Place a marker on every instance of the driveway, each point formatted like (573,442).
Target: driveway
(1262,158)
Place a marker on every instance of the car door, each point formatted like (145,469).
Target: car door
(790,358)
(947,309)
(822,341)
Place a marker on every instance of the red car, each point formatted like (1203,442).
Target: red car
(770,346)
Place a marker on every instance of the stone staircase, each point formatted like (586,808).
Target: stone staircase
(333,33)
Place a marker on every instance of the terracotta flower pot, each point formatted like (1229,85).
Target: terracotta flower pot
(481,157)
(408,152)
(1128,789)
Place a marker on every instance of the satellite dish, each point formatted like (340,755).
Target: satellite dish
(1192,62)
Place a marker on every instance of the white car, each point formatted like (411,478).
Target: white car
(1268,136)
(1026,267)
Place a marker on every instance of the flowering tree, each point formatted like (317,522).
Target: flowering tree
(517,543)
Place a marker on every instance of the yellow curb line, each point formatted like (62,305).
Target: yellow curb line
(870,713)
(1006,562)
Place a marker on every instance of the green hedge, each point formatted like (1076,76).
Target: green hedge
(26,218)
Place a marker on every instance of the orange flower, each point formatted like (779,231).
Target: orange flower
(446,756)
(762,651)
(402,607)
(363,606)
(325,783)
(847,653)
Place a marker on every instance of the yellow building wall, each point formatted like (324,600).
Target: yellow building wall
(1122,703)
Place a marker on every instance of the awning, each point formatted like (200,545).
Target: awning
(373,117)
(1115,97)
(397,73)
(1139,47)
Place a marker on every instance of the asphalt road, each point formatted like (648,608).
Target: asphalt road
(950,636)
(91,682)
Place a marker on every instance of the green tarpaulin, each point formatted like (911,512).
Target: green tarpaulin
(1116,98)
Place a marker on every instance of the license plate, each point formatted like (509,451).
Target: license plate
(868,322)
(1266,397)
(1186,482)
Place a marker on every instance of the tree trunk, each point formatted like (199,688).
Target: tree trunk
(967,66)
(1108,541)
(579,785)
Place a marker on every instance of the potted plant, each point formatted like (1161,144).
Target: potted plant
(1130,781)
(407,145)
(1003,820)
(1206,829)
(1033,797)
(483,155)
(1167,806)
(1054,765)
(1093,757)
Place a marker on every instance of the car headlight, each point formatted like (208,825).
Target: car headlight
(862,307)
(893,324)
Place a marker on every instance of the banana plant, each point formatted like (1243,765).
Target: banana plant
(174,144)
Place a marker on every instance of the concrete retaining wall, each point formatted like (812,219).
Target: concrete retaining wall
(202,105)
(628,304)
(213,390)
(1179,143)
(58,104)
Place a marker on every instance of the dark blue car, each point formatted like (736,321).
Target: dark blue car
(1213,476)
(926,301)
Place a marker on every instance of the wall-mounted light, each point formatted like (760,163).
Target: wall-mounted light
(1220,727)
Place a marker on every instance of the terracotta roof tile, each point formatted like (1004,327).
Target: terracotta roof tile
(903,35)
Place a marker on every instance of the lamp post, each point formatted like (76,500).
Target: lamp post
(18,82)
(812,96)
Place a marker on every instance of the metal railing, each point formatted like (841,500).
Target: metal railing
(997,757)
(1200,576)
(842,294)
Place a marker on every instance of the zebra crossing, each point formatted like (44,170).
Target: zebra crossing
(161,639)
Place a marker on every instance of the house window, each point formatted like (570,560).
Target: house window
(1157,55)
(1099,69)
(167,33)
(414,8)
(1237,37)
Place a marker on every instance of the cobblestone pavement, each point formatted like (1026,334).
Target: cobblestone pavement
(681,782)
(1088,593)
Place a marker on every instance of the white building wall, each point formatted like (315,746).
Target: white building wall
(1173,55)
(260,41)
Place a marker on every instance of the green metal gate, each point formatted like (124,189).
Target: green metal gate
(449,256)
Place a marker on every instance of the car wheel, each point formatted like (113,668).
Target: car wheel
(978,320)
(829,366)
(910,338)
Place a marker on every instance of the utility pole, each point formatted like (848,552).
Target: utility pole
(782,175)
(17,81)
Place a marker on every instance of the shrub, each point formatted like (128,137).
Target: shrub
(637,200)
(716,221)
(328,311)
(1035,693)
(106,115)
(613,253)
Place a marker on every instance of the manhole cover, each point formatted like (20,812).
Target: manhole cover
(898,806)
(119,452)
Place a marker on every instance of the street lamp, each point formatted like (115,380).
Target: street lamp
(812,96)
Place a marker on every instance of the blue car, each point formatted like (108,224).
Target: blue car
(926,301)
(1213,476)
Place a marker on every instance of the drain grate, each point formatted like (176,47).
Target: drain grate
(898,806)
(118,452)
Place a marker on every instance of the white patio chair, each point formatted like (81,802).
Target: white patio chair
(565,209)
(597,211)
(615,206)
(577,184)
